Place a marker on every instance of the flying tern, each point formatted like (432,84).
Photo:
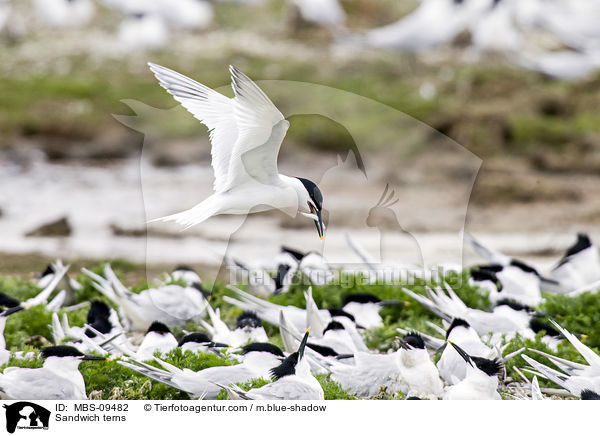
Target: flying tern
(246,132)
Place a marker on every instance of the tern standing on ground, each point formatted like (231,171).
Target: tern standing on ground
(246,132)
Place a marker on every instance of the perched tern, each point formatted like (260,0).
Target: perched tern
(420,377)
(270,312)
(508,282)
(480,382)
(58,379)
(580,265)
(365,308)
(452,367)
(170,304)
(257,361)
(196,342)
(248,329)
(157,338)
(246,132)
(293,381)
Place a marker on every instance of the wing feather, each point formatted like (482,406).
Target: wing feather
(256,149)
(212,109)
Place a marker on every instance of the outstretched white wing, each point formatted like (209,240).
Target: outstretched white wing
(214,110)
(261,129)
(245,144)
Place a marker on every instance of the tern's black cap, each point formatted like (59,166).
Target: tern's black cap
(98,310)
(262,347)
(49,270)
(583,242)
(322,350)
(183,268)
(8,301)
(333,325)
(414,339)
(313,191)
(589,395)
(61,351)
(198,338)
(537,326)
(339,312)
(514,305)
(296,254)
(158,327)
(248,319)
(360,297)
(457,322)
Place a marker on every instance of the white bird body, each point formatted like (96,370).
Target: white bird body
(58,379)
(517,285)
(220,332)
(369,374)
(155,341)
(580,268)
(420,375)
(451,365)
(338,340)
(269,312)
(475,386)
(299,386)
(254,365)
(365,314)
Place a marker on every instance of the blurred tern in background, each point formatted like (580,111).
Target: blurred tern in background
(62,14)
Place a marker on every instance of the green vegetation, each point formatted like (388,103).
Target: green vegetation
(29,330)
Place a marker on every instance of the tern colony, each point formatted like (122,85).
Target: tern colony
(246,132)
(463,360)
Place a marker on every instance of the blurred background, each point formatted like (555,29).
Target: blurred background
(512,87)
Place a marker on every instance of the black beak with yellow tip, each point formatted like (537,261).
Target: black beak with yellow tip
(303,345)
(462,353)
